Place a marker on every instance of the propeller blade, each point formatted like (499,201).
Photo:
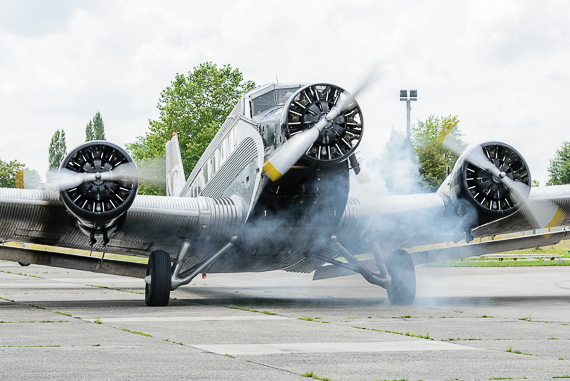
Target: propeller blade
(293,149)
(67,179)
(290,152)
(540,212)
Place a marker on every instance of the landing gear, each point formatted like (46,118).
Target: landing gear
(157,290)
(402,289)
(397,274)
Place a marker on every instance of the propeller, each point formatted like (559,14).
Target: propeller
(67,179)
(279,162)
(540,212)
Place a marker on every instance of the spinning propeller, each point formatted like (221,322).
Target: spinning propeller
(542,213)
(68,179)
(281,160)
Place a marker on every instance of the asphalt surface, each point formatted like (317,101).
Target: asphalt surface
(60,324)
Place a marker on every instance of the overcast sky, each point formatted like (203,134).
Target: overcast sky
(501,67)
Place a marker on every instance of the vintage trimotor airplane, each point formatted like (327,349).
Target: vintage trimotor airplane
(271,192)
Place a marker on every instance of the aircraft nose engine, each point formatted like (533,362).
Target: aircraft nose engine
(339,137)
(320,122)
(98,182)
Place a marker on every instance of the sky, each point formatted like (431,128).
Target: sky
(500,66)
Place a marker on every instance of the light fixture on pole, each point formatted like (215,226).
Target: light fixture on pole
(404,97)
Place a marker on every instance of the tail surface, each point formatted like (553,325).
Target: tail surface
(175,178)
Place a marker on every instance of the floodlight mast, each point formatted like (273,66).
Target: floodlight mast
(404,97)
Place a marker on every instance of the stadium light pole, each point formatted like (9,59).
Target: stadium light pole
(404,97)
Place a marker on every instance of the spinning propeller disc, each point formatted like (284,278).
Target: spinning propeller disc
(339,139)
(100,195)
(487,190)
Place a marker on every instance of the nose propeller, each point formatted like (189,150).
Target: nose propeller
(281,160)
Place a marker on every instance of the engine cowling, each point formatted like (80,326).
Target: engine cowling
(491,198)
(308,105)
(108,190)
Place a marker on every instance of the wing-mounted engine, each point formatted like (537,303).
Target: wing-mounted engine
(483,178)
(98,182)
(339,137)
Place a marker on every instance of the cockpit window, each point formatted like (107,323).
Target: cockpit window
(263,102)
(284,94)
(270,99)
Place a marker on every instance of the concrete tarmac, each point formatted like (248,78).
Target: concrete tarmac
(466,324)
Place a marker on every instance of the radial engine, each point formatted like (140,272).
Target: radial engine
(98,182)
(474,188)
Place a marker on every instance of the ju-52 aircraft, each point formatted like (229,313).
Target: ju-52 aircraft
(271,192)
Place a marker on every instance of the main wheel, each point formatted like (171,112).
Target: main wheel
(157,291)
(401,268)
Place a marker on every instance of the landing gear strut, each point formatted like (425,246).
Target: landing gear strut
(157,290)
(397,274)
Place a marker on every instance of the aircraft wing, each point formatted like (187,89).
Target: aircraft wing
(151,223)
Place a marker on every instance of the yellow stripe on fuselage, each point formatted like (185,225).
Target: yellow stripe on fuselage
(557,219)
(270,171)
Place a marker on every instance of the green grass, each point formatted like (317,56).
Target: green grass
(379,330)
(500,378)
(565,376)
(511,350)
(316,320)
(312,375)
(115,289)
(98,320)
(62,313)
(8,300)
(22,274)
(137,332)
(230,356)
(251,310)
(426,336)
(563,249)
(30,346)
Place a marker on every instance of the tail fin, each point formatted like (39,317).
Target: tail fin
(175,178)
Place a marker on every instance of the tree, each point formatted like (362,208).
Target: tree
(98,127)
(194,106)
(95,129)
(559,167)
(57,152)
(89,132)
(427,140)
(8,173)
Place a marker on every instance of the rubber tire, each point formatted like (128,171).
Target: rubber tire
(402,291)
(157,293)
(23,263)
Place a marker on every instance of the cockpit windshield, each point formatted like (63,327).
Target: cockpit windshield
(271,99)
